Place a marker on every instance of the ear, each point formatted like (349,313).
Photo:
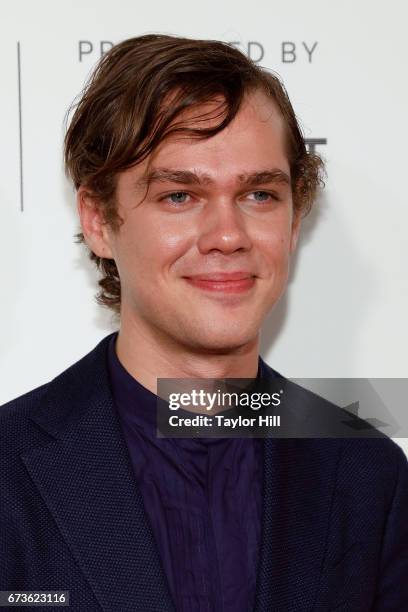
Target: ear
(296,223)
(94,228)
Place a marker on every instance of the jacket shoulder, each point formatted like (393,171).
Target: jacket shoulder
(382,457)
(70,387)
(16,429)
(21,406)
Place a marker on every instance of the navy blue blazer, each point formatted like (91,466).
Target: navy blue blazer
(335,522)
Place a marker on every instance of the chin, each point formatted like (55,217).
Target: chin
(222,342)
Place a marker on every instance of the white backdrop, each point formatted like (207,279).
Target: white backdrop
(344,66)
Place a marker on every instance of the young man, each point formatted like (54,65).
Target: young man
(192,178)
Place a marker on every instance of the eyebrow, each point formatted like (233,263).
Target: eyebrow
(186,177)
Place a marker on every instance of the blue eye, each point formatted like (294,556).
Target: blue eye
(178,197)
(261,196)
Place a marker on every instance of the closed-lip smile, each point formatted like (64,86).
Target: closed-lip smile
(229,282)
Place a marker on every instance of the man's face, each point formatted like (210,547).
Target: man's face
(213,207)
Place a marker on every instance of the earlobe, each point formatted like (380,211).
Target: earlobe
(92,223)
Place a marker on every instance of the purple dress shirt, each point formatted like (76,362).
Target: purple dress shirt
(203,498)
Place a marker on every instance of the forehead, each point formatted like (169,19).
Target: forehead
(253,142)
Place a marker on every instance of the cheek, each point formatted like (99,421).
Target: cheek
(150,247)
(274,243)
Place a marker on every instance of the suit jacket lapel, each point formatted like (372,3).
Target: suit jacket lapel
(85,477)
(298,489)
(299,482)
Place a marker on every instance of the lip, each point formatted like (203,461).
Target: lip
(236,282)
(222,276)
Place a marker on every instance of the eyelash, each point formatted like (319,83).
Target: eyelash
(176,204)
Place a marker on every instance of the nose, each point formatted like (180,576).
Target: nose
(223,228)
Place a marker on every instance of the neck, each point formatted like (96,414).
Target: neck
(147,356)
